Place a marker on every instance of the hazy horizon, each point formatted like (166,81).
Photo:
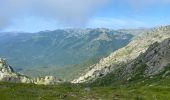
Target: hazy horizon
(74,28)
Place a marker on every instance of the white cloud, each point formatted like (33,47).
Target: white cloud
(74,12)
(69,12)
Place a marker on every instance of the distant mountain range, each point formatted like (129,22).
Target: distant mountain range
(51,52)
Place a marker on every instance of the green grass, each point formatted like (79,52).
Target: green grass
(107,88)
(148,90)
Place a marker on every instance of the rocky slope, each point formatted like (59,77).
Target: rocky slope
(149,68)
(156,57)
(125,55)
(154,61)
(7,74)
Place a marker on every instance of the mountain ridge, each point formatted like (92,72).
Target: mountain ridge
(59,50)
(124,55)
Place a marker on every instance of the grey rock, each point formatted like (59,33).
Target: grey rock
(7,74)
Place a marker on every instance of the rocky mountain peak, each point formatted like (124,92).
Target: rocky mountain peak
(4,67)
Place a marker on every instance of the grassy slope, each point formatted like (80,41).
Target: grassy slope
(106,88)
(150,89)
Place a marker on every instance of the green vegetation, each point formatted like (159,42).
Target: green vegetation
(129,81)
(135,77)
(109,87)
(147,90)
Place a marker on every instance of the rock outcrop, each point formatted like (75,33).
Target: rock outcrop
(47,80)
(125,55)
(7,74)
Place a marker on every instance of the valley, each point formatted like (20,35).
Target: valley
(84,50)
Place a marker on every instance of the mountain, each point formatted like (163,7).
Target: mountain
(138,71)
(124,55)
(153,65)
(51,52)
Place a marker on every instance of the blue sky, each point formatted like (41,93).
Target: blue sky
(117,14)
(129,16)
